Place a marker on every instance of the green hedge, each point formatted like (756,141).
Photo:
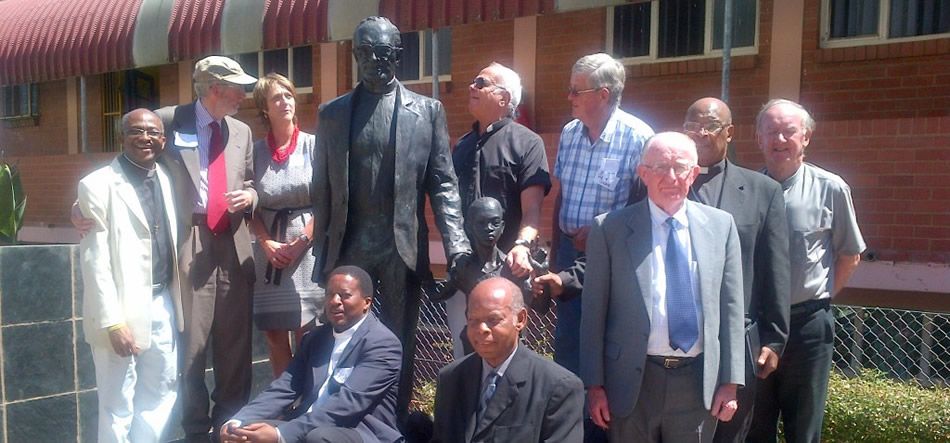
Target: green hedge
(874,408)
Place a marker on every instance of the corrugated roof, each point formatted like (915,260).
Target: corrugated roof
(43,40)
(194,29)
(294,23)
(414,15)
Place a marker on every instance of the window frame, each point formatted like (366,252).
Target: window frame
(423,77)
(290,68)
(708,51)
(33,104)
(883,28)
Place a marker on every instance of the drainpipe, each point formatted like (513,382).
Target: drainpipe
(727,60)
(435,64)
(83,116)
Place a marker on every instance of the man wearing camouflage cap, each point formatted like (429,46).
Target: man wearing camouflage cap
(210,157)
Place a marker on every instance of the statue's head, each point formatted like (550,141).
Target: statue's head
(485,222)
(377,48)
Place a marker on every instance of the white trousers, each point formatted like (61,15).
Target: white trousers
(137,393)
(455,316)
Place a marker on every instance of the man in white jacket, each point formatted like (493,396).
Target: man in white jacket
(132,298)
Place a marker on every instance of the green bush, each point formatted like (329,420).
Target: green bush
(873,408)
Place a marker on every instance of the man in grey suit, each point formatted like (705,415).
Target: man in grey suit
(758,209)
(504,392)
(663,308)
(380,150)
(209,156)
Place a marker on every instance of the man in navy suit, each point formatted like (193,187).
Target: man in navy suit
(340,387)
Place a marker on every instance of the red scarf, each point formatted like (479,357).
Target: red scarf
(275,153)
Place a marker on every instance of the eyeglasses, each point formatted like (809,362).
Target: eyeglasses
(573,92)
(482,83)
(382,52)
(680,170)
(138,132)
(703,130)
(786,133)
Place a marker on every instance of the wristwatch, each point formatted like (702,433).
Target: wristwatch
(523,242)
(303,237)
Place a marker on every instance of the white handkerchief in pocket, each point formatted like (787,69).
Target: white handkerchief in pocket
(341,374)
(184,140)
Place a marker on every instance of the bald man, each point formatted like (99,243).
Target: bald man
(504,391)
(662,318)
(758,207)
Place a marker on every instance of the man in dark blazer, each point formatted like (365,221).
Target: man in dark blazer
(504,392)
(758,208)
(216,261)
(380,150)
(341,385)
(663,325)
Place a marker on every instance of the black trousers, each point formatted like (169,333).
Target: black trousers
(797,390)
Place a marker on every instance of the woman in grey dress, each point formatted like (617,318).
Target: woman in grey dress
(285,299)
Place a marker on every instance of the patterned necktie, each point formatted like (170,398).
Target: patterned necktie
(218,221)
(491,384)
(680,305)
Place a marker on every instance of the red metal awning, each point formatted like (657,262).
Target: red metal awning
(294,23)
(43,40)
(424,14)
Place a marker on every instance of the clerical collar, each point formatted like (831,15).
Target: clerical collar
(713,169)
(492,127)
(144,171)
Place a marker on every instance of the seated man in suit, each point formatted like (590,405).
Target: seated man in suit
(340,387)
(504,392)
(663,315)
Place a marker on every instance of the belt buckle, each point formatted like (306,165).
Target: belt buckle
(670,362)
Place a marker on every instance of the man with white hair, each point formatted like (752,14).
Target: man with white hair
(502,159)
(825,244)
(663,321)
(596,162)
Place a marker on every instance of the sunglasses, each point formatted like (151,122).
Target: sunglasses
(482,83)
(382,52)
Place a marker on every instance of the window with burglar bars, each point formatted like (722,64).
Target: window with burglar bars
(864,22)
(660,30)
(294,63)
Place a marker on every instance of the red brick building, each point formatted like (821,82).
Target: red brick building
(876,79)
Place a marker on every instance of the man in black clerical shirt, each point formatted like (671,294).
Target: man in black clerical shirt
(502,159)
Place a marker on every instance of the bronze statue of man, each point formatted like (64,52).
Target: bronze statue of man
(380,150)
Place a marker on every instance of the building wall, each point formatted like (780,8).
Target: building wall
(882,114)
(48,135)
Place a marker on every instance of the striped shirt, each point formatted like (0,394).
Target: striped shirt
(597,178)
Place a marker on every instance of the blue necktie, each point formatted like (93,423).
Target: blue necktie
(490,385)
(680,305)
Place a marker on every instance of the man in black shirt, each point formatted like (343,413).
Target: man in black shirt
(132,298)
(502,159)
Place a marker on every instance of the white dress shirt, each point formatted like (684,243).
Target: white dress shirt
(659,342)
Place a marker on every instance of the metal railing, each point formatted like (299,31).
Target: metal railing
(906,345)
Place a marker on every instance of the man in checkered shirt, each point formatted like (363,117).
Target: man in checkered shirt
(596,162)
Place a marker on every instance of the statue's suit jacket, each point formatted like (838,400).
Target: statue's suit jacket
(184,165)
(757,205)
(423,166)
(617,301)
(117,282)
(361,392)
(536,401)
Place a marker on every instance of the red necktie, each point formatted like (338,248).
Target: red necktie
(218,220)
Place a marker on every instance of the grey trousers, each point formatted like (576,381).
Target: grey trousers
(216,302)
(669,409)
